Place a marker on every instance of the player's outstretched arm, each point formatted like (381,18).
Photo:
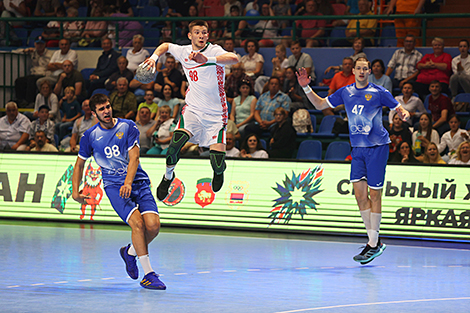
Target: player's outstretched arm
(76,178)
(151,62)
(403,114)
(226,58)
(126,189)
(304,81)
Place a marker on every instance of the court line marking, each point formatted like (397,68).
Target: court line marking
(374,303)
(204,272)
(107,278)
(82,280)
(181,273)
(61,282)
(38,284)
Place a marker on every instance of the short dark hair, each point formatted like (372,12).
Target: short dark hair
(464,40)
(98,98)
(380,62)
(362,59)
(198,23)
(295,42)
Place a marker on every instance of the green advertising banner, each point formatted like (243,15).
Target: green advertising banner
(418,201)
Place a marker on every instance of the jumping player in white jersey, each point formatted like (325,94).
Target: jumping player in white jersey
(204,118)
(363,102)
(114,143)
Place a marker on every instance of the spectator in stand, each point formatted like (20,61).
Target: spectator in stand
(43,123)
(343,78)
(409,102)
(432,156)
(73,29)
(70,78)
(367,27)
(51,31)
(406,26)
(404,62)
(123,71)
(15,8)
(25,86)
(230,150)
(40,143)
(404,154)
(453,138)
(162,131)
(48,98)
(150,104)
(127,29)
(462,155)
(311,30)
(123,101)
(292,88)
(300,59)
(125,8)
(169,75)
(441,108)
(398,133)
(46,8)
(232,84)
(251,148)
(93,31)
(193,14)
(144,124)
(228,5)
(229,46)
(80,126)
(137,54)
(243,107)
(378,77)
(461,70)
(283,135)
(252,61)
(267,103)
(169,100)
(423,136)
(282,8)
(280,63)
(216,32)
(106,65)
(433,66)
(55,65)
(14,129)
(72,110)
(358,47)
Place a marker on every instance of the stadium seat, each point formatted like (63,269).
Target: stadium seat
(150,11)
(309,150)
(337,33)
(338,151)
(467,127)
(388,37)
(263,143)
(82,11)
(313,119)
(22,34)
(338,8)
(326,126)
(86,72)
(152,37)
(32,36)
(462,97)
(100,90)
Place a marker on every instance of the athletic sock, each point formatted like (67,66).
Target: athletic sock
(375,219)
(365,214)
(169,172)
(145,262)
(131,251)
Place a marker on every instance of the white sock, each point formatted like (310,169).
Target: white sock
(365,214)
(131,251)
(169,172)
(375,219)
(145,262)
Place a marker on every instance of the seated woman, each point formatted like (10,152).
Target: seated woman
(252,148)
(283,135)
(462,155)
(252,61)
(47,97)
(378,77)
(398,133)
(423,136)
(292,88)
(73,29)
(169,100)
(404,154)
(453,138)
(93,31)
(432,156)
(162,131)
(409,102)
(243,107)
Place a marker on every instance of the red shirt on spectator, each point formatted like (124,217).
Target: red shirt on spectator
(427,75)
(340,80)
(441,103)
(310,27)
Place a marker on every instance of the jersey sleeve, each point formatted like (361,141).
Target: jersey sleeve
(175,50)
(133,136)
(336,98)
(85,146)
(217,50)
(388,100)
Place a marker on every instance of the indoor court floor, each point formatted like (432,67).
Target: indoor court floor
(77,268)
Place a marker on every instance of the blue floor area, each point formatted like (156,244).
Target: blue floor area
(57,269)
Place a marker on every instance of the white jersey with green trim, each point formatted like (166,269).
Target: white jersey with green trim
(206,92)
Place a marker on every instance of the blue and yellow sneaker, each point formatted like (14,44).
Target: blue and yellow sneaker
(131,262)
(151,281)
(368,253)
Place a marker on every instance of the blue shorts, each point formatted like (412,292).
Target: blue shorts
(141,199)
(369,163)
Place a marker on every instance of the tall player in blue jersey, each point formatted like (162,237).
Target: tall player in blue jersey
(363,102)
(114,143)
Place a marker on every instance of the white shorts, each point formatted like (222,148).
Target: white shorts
(206,129)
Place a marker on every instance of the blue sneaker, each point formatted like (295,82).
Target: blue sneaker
(368,253)
(131,262)
(151,281)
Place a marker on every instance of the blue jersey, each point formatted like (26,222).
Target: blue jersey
(110,149)
(364,110)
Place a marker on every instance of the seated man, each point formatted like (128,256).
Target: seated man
(341,79)
(233,81)
(80,126)
(169,75)
(14,129)
(123,101)
(70,78)
(441,108)
(461,69)
(43,123)
(40,143)
(311,30)
(144,124)
(137,54)
(300,59)
(231,151)
(403,62)
(267,103)
(107,64)
(123,71)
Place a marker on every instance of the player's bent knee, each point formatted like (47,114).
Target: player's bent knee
(218,161)
(179,139)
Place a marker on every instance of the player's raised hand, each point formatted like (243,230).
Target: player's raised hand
(125,191)
(197,57)
(80,197)
(403,114)
(302,77)
(149,64)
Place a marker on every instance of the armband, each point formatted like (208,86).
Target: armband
(211,60)
(154,57)
(307,89)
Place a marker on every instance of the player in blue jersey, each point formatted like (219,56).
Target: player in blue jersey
(114,143)
(363,102)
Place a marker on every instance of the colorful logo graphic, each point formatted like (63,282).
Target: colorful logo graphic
(237,194)
(368,97)
(92,189)
(204,194)
(63,190)
(119,135)
(176,193)
(296,195)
